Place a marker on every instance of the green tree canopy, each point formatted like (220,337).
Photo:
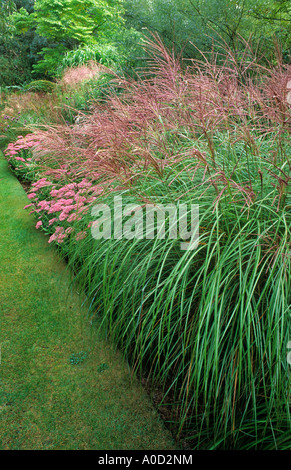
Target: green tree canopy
(182,22)
(14,66)
(66,24)
(69,19)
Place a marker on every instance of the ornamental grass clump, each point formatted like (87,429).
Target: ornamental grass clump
(208,327)
(73,76)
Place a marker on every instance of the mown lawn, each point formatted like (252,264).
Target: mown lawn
(61,386)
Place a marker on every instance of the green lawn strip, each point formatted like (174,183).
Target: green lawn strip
(61,385)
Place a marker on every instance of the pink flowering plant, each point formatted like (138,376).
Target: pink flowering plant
(59,198)
(20,157)
(61,209)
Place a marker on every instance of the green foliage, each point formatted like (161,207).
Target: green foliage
(272,18)
(6,9)
(121,53)
(23,21)
(40,85)
(78,358)
(38,34)
(102,367)
(13,65)
(73,20)
(65,24)
(106,54)
(13,69)
(70,19)
(51,57)
(183,21)
(200,22)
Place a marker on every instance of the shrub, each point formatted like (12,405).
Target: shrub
(40,85)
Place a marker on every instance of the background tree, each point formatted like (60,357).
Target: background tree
(46,35)
(182,22)
(66,24)
(14,67)
(272,19)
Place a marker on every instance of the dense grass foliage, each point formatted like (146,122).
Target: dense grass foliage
(209,327)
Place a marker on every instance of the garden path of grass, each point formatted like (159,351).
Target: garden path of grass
(46,401)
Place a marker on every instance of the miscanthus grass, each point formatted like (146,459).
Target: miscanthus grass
(210,326)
